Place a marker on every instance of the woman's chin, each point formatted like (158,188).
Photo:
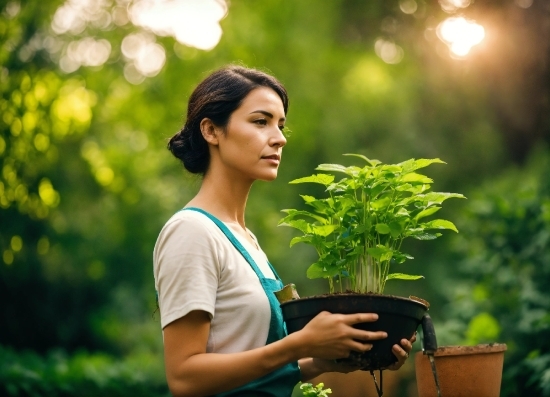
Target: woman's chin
(268,177)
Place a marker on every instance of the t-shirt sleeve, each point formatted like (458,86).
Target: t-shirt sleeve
(187,269)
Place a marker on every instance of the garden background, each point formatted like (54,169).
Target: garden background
(92,89)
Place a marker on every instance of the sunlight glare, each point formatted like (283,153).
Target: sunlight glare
(460,34)
(194,23)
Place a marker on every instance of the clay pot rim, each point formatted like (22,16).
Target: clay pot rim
(466,350)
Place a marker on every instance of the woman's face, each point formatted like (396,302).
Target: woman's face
(252,144)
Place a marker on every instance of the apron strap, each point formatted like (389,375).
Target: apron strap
(236,243)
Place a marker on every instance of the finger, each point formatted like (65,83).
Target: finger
(401,356)
(413,339)
(406,345)
(370,335)
(400,353)
(360,346)
(360,318)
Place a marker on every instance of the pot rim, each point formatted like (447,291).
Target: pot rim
(467,350)
(339,295)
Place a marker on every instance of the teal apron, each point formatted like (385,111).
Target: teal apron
(280,382)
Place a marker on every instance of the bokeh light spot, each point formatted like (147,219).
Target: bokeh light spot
(85,52)
(7,256)
(105,176)
(451,6)
(408,6)
(47,193)
(145,57)
(12,9)
(41,142)
(16,243)
(16,127)
(388,51)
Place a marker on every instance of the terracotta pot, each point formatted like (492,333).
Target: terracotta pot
(397,316)
(463,371)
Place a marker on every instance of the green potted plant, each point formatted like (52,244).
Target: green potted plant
(358,230)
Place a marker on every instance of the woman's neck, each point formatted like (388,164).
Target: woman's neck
(224,197)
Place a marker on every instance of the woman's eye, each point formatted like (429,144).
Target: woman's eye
(261,121)
(282,127)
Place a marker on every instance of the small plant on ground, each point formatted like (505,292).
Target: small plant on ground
(308,390)
(358,229)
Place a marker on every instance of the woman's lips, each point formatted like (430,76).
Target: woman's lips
(274,158)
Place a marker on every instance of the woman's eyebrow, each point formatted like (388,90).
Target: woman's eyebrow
(265,113)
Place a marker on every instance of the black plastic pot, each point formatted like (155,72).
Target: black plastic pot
(399,317)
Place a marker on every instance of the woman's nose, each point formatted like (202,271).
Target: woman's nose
(278,139)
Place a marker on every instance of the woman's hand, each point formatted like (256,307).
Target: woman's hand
(402,352)
(331,336)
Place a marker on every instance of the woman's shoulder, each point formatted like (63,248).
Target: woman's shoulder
(191,218)
(192,224)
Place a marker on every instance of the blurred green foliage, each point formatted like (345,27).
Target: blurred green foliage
(82,374)
(503,273)
(86,182)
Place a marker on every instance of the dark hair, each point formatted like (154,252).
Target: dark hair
(216,98)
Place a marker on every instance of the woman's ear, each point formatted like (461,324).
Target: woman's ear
(209,131)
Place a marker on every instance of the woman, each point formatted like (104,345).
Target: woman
(222,327)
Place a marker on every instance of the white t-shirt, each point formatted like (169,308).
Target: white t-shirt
(196,267)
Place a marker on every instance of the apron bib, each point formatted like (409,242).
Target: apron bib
(280,382)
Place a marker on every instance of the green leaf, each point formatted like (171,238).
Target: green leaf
(332,167)
(426,212)
(318,270)
(439,224)
(401,257)
(380,253)
(402,212)
(405,187)
(390,169)
(379,204)
(412,164)
(407,165)
(371,162)
(299,224)
(395,229)
(308,199)
(425,236)
(376,190)
(301,239)
(382,228)
(323,231)
(421,163)
(402,276)
(414,177)
(293,213)
(361,229)
(432,198)
(322,179)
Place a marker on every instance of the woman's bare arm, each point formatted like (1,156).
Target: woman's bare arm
(193,372)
